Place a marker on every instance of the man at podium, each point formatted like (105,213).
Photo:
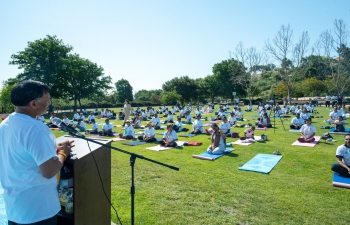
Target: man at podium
(30,158)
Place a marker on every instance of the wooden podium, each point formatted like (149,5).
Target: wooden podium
(89,202)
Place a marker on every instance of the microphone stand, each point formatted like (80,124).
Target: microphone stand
(133,158)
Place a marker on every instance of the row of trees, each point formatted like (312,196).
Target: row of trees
(301,70)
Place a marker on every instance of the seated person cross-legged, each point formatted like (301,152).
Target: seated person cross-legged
(218,145)
(297,122)
(169,137)
(197,126)
(307,131)
(264,121)
(94,128)
(156,121)
(129,132)
(149,134)
(342,167)
(248,133)
(339,124)
(107,129)
(225,127)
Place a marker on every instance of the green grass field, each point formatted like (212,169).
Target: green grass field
(297,191)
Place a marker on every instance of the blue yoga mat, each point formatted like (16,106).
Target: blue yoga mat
(208,156)
(347,130)
(134,143)
(3,217)
(339,181)
(262,163)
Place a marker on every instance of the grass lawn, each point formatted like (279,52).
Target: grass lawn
(297,191)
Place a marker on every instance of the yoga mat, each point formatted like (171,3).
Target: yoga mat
(261,128)
(118,139)
(158,148)
(3,217)
(140,133)
(211,157)
(294,131)
(187,135)
(347,131)
(339,181)
(312,144)
(262,163)
(239,142)
(134,143)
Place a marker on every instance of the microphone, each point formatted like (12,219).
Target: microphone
(58,122)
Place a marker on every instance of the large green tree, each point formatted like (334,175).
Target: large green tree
(44,60)
(184,86)
(124,90)
(83,79)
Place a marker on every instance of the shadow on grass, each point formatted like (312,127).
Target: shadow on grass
(231,154)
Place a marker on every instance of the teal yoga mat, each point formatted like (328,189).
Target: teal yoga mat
(211,157)
(262,163)
(3,217)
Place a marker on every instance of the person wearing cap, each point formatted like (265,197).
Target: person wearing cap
(129,132)
(149,134)
(94,128)
(307,131)
(156,121)
(225,127)
(297,122)
(218,145)
(107,129)
(169,137)
(197,126)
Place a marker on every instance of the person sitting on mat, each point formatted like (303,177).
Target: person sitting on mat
(169,137)
(178,125)
(264,121)
(342,167)
(197,126)
(297,122)
(129,132)
(94,128)
(339,124)
(218,145)
(170,118)
(305,115)
(249,133)
(232,119)
(188,118)
(307,131)
(156,121)
(107,129)
(136,122)
(225,127)
(80,125)
(149,134)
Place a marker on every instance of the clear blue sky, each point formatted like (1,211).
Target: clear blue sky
(149,42)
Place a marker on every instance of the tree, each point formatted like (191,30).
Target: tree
(251,60)
(83,79)
(184,86)
(44,60)
(171,98)
(212,85)
(124,90)
(314,86)
(280,49)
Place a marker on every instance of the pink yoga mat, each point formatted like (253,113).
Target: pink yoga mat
(261,128)
(312,144)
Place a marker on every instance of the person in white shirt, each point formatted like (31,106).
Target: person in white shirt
(328,101)
(183,112)
(82,117)
(76,116)
(107,129)
(65,119)
(144,116)
(136,122)
(339,124)
(217,146)
(197,126)
(41,118)
(151,112)
(264,121)
(188,118)
(334,100)
(178,125)
(129,132)
(333,115)
(342,167)
(170,118)
(156,121)
(225,127)
(305,115)
(239,114)
(249,108)
(95,129)
(249,133)
(169,137)
(80,125)
(293,109)
(308,132)
(297,122)
(149,134)
(91,117)
(221,114)
(232,119)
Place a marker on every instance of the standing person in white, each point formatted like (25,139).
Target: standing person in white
(30,158)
